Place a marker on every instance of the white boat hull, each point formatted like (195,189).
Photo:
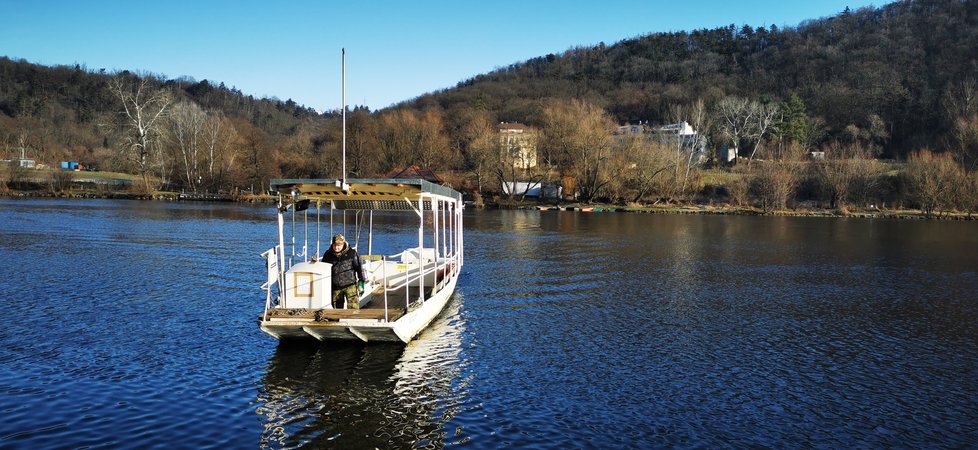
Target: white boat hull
(404,329)
(393,309)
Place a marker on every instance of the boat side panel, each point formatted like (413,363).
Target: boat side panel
(286,332)
(413,322)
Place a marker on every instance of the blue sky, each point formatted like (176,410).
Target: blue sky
(395,50)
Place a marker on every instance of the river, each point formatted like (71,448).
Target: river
(132,324)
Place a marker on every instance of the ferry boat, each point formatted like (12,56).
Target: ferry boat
(407,284)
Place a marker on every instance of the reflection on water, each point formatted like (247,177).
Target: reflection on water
(133,325)
(633,331)
(349,395)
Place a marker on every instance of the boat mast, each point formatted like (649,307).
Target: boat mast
(344,115)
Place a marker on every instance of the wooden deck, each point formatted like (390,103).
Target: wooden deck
(333,315)
(396,303)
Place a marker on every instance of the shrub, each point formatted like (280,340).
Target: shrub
(934,181)
(60,180)
(773,184)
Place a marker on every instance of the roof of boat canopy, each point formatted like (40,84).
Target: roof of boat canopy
(365,193)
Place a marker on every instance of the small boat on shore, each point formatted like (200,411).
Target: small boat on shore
(410,275)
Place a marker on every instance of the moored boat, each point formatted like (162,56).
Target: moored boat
(410,275)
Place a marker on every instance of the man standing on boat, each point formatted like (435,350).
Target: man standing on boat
(347,273)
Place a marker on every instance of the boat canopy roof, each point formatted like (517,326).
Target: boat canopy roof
(366,193)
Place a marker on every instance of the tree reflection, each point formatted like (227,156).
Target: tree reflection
(354,395)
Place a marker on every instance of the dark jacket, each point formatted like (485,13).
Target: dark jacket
(347,269)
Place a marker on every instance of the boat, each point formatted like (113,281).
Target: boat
(407,285)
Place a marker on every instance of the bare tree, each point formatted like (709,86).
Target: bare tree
(685,151)
(408,137)
(965,141)
(740,119)
(260,161)
(215,139)
(483,154)
(213,130)
(396,138)
(298,158)
(361,134)
(143,107)
(643,163)
(961,99)
(764,115)
(60,180)
(774,183)
(734,118)
(580,133)
(970,193)
(509,171)
(934,179)
(187,126)
(849,175)
(699,117)
(961,107)
(222,154)
(13,176)
(866,184)
(477,141)
(431,146)
(738,190)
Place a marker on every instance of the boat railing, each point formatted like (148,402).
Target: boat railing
(408,280)
(414,272)
(274,275)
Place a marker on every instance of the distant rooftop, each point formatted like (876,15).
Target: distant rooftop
(413,173)
(511,126)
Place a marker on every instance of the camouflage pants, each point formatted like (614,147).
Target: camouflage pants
(350,293)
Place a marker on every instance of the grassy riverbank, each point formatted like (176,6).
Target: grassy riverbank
(867,213)
(136,195)
(54,183)
(125,187)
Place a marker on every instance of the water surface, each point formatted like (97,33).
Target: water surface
(133,325)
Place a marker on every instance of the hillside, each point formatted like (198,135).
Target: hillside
(887,75)
(66,113)
(891,82)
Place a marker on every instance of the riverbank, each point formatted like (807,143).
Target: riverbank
(867,213)
(128,195)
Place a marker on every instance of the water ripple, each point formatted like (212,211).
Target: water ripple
(132,325)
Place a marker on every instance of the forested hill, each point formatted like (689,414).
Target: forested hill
(75,101)
(209,136)
(887,74)
(892,80)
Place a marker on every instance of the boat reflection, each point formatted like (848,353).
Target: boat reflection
(352,395)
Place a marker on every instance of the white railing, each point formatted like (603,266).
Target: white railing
(274,276)
(408,276)
(411,267)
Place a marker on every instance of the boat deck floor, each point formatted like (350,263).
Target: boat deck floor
(396,307)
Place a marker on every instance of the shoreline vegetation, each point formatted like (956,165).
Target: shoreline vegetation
(836,116)
(531,204)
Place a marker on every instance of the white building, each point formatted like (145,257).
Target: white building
(681,128)
(518,144)
(25,163)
